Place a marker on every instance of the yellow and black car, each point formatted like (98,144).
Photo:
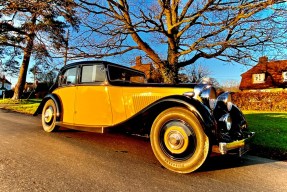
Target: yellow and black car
(185,122)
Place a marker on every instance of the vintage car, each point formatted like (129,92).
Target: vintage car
(185,122)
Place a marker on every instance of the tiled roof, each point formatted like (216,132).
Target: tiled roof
(6,81)
(273,74)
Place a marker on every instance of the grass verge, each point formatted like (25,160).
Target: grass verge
(271,134)
(22,106)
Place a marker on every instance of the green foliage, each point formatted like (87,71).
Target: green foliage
(25,108)
(33,29)
(9,60)
(22,106)
(270,126)
(271,133)
(46,19)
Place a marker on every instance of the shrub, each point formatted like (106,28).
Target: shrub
(261,101)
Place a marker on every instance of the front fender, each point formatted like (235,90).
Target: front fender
(204,115)
(56,100)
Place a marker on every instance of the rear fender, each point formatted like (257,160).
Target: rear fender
(57,102)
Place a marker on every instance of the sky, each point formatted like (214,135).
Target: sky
(221,71)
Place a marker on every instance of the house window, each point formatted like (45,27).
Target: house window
(284,75)
(258,78)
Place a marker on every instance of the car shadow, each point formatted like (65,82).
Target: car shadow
(222,162)
(140,147)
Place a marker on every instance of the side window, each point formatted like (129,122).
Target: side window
(93,73)
(125,75)
(68,77)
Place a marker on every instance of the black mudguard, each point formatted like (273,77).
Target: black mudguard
(56,100)
(146,116)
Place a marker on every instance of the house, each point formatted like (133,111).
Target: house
(265,75)
(4,85)
(152,72)
(36,90)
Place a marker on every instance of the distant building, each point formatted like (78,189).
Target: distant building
(29,87)
(152,72)
(4,85)
(40,90)
(265,75)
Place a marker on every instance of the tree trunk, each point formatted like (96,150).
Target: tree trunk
(24,69)
(170,69)
(26,60)
(169,73)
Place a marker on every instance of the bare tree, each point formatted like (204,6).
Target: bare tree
(33,28)
(44,73)
(176,33)
(196,73)
(230,85)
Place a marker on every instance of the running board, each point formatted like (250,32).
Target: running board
(98,129)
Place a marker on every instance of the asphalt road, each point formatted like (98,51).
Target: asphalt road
(32,160)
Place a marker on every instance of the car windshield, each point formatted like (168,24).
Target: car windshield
(117,73)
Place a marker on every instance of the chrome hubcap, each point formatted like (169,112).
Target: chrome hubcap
(48,115)
(175,139)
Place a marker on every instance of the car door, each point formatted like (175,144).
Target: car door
(66,92)
(93,106)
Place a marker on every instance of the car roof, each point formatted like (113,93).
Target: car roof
(86,62)
(106,63)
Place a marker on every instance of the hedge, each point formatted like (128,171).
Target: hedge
(275,101)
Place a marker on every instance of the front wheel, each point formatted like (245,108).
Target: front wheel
(178,140)
(49,116)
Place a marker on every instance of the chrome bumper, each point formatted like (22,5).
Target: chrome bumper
(223,147)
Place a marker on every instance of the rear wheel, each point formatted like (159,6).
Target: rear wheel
(49,116)
(178,140)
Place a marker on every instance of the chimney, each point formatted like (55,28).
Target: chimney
(138,61)
(263,59)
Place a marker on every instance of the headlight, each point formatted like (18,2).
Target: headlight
(205,94)
(198,89)
(227,120)
(225,98)
(208,96)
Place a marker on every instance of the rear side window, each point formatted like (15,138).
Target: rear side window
(93,73)
(68,77)
(119,74)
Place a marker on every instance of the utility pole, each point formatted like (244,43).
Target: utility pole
(35,71)
(66,47)
(3,86)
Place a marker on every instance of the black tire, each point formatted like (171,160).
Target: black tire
(49,116)
(179,141)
